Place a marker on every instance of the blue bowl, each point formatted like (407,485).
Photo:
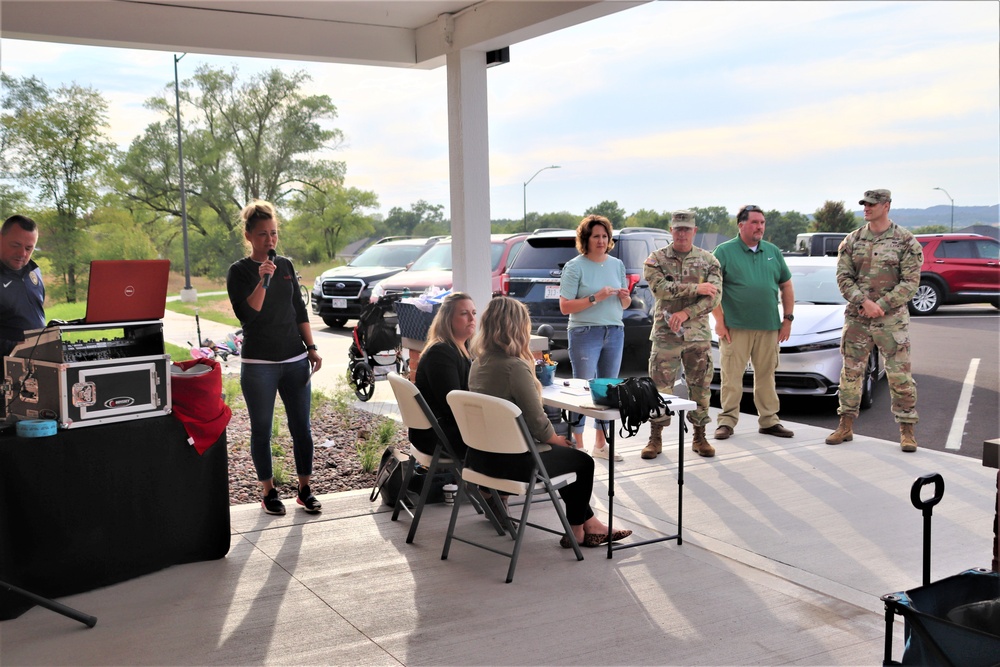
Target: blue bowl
(545,373)
(599,390)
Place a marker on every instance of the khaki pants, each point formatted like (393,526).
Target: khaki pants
(761,349)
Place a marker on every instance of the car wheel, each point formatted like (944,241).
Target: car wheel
(335,322)
(926,300)
(868,384)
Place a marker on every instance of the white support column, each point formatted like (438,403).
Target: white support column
(469,157)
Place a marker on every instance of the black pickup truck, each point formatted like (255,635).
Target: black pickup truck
(818,244)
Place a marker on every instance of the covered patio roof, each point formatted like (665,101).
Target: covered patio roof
(420,34)
(399,33)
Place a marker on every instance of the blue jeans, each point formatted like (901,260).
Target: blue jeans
(260,383)
(595,352)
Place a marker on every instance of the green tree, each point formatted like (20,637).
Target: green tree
(714,220)
(12,201)
(649,218)
(327,218)
(930,229)
(421,214)
(257,138)
(117,235)
(610,210)
(782,228)
(54,143)
(834,217)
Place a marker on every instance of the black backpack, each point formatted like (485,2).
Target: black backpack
(637,401)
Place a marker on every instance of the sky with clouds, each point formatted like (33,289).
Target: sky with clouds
(664,106)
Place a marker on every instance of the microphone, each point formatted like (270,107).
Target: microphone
(270,255)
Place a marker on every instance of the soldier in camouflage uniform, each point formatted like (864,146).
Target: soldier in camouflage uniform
(687,283)
(878,271)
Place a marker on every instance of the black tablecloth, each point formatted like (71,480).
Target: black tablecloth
(95,506)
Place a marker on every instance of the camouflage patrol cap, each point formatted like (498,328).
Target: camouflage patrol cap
(876,197)
(682,219)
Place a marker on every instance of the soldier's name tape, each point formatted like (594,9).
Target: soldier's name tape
(36,428)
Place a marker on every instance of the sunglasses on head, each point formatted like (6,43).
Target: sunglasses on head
(747,210)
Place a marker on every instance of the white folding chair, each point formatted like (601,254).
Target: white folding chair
(417,414)
(491,424)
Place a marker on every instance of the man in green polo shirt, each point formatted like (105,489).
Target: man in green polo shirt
(754,275)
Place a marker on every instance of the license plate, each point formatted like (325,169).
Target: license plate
(338,303)
(552,291)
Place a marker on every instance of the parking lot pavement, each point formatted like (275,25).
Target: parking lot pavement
(333,344)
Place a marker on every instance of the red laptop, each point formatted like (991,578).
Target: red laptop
(127,290)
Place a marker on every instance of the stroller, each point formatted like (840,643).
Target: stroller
(377,347)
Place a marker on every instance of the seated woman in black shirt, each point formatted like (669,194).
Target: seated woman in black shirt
(444,366)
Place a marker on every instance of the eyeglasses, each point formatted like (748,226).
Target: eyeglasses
(746,211)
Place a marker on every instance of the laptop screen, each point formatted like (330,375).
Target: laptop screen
(127,290)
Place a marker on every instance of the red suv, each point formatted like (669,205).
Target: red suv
(957,268)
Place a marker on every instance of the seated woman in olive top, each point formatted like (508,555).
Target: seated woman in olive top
(444,366)
(505,368)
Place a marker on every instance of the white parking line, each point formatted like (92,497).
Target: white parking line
(962,409)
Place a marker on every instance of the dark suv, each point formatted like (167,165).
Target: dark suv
(533,279)
(957,268)
(342,292)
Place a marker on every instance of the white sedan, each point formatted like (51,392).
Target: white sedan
(809,362)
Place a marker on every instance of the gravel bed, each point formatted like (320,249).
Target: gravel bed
(336,461)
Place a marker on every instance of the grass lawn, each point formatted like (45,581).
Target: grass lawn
(215,308)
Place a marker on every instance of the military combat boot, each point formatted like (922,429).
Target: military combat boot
(907,441)
(655,444)
(844,432)
(699,444)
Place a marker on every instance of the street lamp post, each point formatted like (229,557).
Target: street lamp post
(524,192)
(952,207)
(188,294)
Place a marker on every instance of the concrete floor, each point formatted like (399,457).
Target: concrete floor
(788,545)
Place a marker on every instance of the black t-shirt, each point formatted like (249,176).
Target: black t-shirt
(441,369)
(272,334)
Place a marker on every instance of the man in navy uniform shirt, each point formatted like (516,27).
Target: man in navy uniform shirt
(21,290)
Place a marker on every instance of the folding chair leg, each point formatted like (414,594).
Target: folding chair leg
(521,526)
(419,509)
(454,519)
(478,501)
(565,521)
(425,491)
(411,467)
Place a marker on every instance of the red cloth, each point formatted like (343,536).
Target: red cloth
(197,403)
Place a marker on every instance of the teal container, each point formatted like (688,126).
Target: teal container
(545,373)
(599,389)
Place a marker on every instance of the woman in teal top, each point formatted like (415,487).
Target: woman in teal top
(593,291)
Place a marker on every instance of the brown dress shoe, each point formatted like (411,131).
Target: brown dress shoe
(723,432)
(777,430)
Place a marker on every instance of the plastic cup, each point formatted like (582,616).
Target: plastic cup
(449,493)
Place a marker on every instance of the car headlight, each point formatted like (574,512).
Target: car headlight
(833,343)
(318,283)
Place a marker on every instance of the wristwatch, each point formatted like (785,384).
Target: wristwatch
(592,298)
(789,317)
(311,347)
